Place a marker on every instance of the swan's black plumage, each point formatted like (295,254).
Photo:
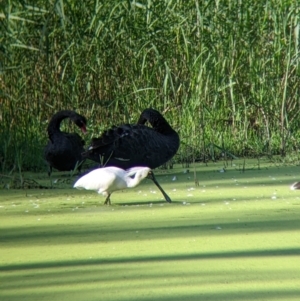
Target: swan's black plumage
(63,151)
(130,145)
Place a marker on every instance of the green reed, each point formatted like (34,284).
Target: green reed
(224,73)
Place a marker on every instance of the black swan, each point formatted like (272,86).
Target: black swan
(63,151)
(131,145)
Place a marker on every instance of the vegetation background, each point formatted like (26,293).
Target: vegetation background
(224,73)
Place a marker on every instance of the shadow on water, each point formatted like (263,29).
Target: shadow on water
(140,273)
(95,233)
(157,258)
(93,295)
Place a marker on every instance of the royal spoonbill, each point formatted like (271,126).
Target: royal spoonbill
(106,180)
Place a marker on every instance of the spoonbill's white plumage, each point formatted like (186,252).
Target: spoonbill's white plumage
(106,180)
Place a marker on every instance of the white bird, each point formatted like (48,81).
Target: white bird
(295,186)
(106,180)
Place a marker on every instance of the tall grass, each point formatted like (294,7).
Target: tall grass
(225,73)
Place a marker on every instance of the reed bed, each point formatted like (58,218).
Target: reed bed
(224,73)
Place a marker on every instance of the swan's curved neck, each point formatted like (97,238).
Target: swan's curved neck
(54,124)
(157,121)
